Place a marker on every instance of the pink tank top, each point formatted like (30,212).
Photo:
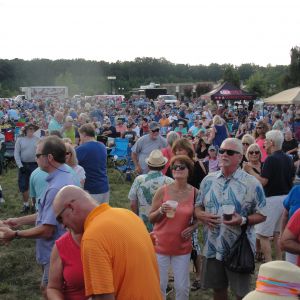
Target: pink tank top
(69,252)
(168,230)
(260,142)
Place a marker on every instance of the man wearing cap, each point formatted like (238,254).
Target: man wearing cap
(25,159)
(243,192)
(145,186)
(144,145)
(196,127)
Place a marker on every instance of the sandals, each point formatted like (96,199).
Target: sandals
(196,285)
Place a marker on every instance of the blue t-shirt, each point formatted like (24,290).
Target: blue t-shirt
(92,157)
(292,201)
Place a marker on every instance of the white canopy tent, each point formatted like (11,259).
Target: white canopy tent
(290,96)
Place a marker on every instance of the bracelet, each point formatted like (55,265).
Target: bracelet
(17,234)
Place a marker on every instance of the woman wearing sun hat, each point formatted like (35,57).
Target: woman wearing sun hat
(277,280)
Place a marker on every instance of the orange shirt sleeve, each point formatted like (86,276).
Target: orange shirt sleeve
(97,267)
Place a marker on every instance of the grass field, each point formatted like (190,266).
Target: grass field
(19,273)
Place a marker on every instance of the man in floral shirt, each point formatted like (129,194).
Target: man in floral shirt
(229,186)
(145,186)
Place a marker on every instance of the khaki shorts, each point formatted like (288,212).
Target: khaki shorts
(217,277)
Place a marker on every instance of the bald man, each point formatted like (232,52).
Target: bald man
(56,123)
(116,250)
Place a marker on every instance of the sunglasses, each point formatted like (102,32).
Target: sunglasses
(68,153)
(38,155)
(258,127)
(178,167)
(59,216)
(245,144)
(254,152)
(155,130)
(228,152)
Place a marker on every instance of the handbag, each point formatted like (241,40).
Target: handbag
(241,257)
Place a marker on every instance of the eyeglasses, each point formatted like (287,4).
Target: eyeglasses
(258,127)
(254,152)
(245,144)
(59,216)
(67,153)
(228,151)
(155,130)
(178,167)
(38,155)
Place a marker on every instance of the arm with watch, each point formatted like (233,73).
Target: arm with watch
(238,220)
(43,231)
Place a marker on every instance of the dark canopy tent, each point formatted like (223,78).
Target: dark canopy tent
(227,91)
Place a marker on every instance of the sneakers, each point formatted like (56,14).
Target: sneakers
(25,210)
(169,290)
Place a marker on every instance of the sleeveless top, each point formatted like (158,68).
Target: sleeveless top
(168,230)
(220,136)
(69,252)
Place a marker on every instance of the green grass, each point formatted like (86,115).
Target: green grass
(19,273)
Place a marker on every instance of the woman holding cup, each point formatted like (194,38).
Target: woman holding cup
(171,213)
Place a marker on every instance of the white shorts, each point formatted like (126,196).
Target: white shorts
(274,209)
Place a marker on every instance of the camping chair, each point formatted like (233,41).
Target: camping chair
(9,154)
(125,171)
(120,151)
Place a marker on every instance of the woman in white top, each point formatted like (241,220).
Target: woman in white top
(72,161)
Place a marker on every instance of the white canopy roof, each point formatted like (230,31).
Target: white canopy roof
(290,96)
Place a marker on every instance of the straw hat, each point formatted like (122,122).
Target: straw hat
(156,159)
(275,280)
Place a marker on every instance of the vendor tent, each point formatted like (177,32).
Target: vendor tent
(227,91)
(290,96)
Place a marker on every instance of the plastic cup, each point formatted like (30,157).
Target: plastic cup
(171,213)
(228,211)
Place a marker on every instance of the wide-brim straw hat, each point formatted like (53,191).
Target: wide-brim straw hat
(156,159)
(272,275)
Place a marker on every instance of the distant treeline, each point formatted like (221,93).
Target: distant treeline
(90,77)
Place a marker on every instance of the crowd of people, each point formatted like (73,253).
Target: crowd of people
(193,162)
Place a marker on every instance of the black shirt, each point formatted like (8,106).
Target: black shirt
(279,169)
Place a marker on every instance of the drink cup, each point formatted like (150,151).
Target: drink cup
(173,204)
(228,211)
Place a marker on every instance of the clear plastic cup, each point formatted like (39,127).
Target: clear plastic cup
(171,213)
(228,211)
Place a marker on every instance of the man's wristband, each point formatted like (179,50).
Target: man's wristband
(244,221)
(17,236)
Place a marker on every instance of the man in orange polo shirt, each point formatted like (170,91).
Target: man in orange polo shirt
(116,250)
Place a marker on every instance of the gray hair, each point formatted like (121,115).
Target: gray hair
(172,136)
(236,142)
(277,137)
(248,139)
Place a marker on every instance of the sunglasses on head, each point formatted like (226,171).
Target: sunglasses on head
(254,152)
(178,167)
(228,151)
(155,130)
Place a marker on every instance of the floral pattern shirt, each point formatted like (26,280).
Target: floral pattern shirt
(142,191)
(243,191)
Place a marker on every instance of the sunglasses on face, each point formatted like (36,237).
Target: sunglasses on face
(155,130)
(254,152)
(59,215)
(178,167)
(258,127)
(228,152)
(245,144)
(68,153)
(38,155)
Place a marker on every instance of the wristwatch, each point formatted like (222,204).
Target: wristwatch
(244,221)
(17,234)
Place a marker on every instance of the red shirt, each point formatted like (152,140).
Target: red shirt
(69,253)
(294,227)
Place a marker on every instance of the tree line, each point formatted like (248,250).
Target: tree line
(90,77)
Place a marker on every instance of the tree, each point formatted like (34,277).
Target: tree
(203,88)
(232,76)
(295,66)
(257,84)
(66,79)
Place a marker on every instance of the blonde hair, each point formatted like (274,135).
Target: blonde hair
(247,138)
(217,120)
(253,147)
